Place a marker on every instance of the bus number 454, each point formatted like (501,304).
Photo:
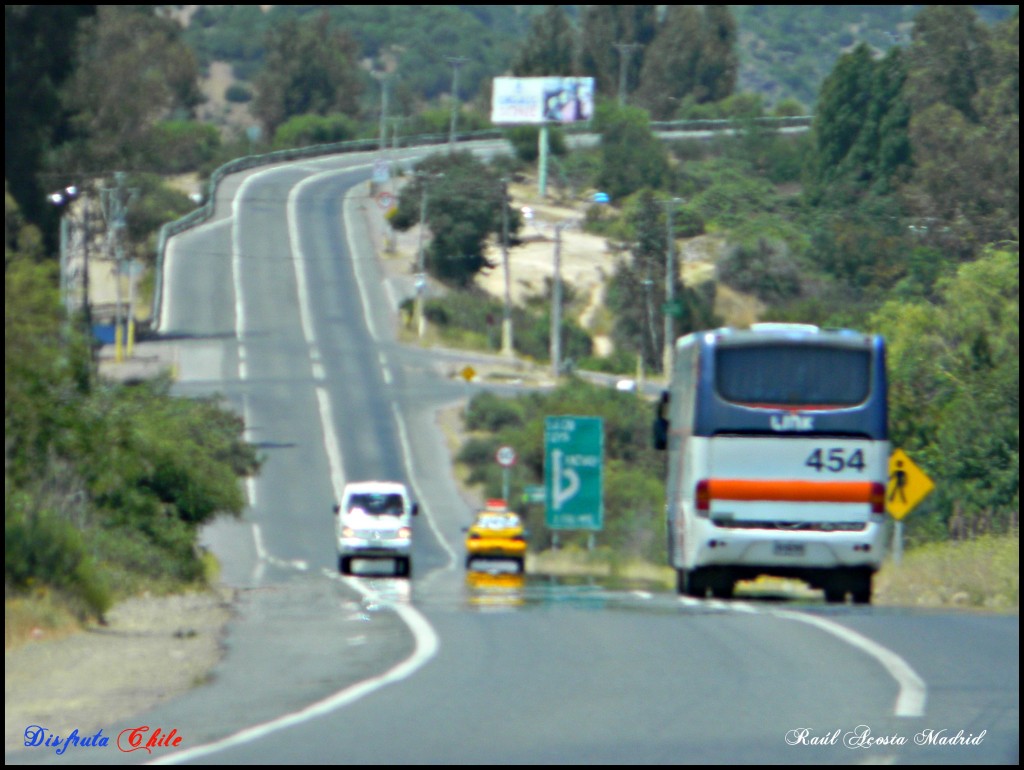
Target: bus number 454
(836,460)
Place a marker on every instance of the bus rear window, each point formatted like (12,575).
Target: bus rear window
(796,376)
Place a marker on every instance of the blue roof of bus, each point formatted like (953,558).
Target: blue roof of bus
(784,330)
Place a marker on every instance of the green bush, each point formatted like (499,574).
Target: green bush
(177,146)
(621,361)
(725,193)
(487,411)
(759,260)
(307,130)
(533,339)
(237,94)
(525,142)
(154,204)
(472,316)
(43,549)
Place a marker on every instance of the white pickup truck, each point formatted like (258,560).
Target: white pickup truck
(374,521)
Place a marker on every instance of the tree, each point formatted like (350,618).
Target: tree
(104,484)
(636,291)
(632,157)
(604,26)
(132,70)
(964,86)
(308,69)
(38,58)
(954,369)
(692,58)
(948,57)
(463,208)
(549,49)
(718,65)
(669,70)
(861,128)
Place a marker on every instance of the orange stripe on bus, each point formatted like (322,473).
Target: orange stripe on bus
(792,491)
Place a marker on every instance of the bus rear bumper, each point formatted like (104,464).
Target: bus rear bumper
(780,552)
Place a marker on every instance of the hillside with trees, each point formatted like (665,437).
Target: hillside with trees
(897,212)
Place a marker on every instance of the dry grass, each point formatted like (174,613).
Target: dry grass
(598,563)
(982,573)
(36,616)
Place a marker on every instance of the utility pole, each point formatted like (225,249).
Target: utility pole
(556,303)
(456,62)
(670,275)
(506,323)
(421,278)
(421,275)
(396,123)
(115,202)
(383,78)
(86,238)
(625,56)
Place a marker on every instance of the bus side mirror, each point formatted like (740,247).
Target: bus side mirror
(336,509)
(659,428)
(415,509)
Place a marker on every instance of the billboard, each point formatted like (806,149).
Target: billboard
(533,101)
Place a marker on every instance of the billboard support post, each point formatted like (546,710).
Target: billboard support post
(542,162)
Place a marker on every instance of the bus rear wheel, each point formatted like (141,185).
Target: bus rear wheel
(699,581)
(855,582)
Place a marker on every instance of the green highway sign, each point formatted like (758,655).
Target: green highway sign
(673,308)
(533,493)
(574,472)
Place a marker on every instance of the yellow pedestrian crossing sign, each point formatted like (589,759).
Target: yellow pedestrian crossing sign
(908,485)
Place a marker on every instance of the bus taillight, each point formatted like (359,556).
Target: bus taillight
(877,498)
(703,497)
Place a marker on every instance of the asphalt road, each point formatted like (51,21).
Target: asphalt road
(278,304)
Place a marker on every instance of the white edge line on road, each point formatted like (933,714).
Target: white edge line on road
(356,265)
(426,641)
(913,692)
(910,702)
(426,647)
(407,453)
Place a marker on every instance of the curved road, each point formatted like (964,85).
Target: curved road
(279,304)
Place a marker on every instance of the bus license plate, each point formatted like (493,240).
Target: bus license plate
(789,549)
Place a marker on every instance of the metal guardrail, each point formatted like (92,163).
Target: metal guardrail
(206,210)
(726,124)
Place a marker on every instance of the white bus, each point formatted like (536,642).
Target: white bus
(778,458)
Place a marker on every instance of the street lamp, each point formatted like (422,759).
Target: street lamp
(63,199)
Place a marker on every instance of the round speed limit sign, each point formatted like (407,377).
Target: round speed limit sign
(506,456)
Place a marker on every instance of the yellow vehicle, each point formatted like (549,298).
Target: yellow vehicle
(495,590)
(496,533)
